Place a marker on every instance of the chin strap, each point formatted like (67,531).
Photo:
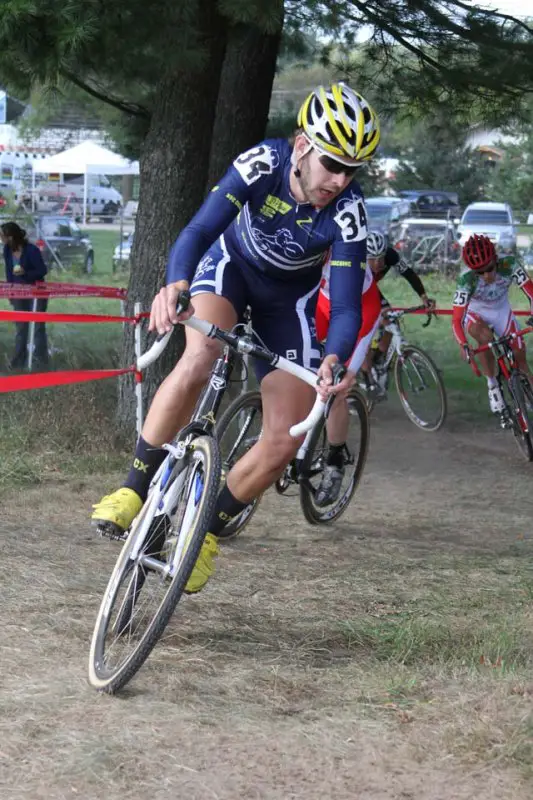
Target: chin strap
(295,160)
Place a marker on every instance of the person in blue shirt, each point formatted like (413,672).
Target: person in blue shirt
(24,264)
(261,239)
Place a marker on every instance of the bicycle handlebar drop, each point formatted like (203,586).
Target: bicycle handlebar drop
(244,346)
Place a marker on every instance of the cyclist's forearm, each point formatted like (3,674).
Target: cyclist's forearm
(343,331)
(216,214)
(414,281)
(458,316)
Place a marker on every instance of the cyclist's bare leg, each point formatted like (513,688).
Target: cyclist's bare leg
(175,399)
(481,332)
(521,362)
(286,401)
(338,420)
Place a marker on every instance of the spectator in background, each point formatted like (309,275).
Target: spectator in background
(24,264)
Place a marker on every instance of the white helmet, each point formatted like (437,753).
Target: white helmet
(340,124)
(376,244)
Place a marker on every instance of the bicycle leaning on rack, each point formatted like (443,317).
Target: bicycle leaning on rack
(517,416)
(165,539)
(417,377)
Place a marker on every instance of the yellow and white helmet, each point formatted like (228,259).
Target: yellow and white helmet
(340,123)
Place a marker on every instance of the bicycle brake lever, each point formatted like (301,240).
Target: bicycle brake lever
(338,371)
(430,316)
(184,301)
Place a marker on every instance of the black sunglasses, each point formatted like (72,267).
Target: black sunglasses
(334,166)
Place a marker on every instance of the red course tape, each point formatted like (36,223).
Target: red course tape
(40,380)
(46,316)
(57,289)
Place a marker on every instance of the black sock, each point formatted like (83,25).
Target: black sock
(226,508)
(147,461)
(335,456)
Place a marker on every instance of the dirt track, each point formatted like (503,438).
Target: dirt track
(257,692)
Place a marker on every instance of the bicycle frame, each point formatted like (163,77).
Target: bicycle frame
(506,359)
(503,352)
(391,324)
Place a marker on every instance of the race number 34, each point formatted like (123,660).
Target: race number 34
(351,219)
(254,163)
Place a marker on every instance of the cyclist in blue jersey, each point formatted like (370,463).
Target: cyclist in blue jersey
(261,239)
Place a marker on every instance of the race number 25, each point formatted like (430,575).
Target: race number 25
(460,297)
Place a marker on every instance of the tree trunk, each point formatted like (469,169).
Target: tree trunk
(174,167)
(244,97)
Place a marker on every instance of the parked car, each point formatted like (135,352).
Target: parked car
(63,243)
(122,252)
(385,213)
(433,202)
(494,220)
(428,243)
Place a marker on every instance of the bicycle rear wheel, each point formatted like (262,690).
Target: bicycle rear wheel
(356,449)
(420,388)
(237,430)
(522,413)
(154,565)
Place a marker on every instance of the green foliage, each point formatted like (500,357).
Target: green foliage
(424,53)
(512,177)
(437,159)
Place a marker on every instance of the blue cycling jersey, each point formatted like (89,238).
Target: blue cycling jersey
(266,227)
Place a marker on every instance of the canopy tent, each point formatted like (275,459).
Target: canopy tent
(88,158)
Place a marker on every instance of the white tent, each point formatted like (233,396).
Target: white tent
(88,158)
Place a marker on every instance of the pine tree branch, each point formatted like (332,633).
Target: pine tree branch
(128,108)
(380,22)
(489,13)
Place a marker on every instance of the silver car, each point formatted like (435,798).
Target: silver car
(494,220)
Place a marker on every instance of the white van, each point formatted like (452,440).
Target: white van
(102,198)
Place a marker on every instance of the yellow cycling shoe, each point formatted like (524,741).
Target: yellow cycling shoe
(204,567)
(119,508)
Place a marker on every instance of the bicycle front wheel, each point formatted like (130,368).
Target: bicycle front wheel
(154,566)
(355,452)
(237,430)
(522,413)
(420,388)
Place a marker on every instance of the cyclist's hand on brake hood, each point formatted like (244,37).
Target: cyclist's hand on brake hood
(325,386)
(163,314)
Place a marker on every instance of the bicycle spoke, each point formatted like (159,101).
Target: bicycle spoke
(354,457)
(521,416)
(238,430)
(420,389)
(154,566)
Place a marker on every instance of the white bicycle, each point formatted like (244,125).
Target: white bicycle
(165,539)
(418,380)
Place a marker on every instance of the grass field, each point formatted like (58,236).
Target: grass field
(67,429)
(76,423)
(388,657)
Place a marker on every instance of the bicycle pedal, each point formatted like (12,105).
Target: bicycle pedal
(107,530)
(505,421)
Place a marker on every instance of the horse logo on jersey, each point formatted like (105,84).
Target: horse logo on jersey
(351,218)
(282,240)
